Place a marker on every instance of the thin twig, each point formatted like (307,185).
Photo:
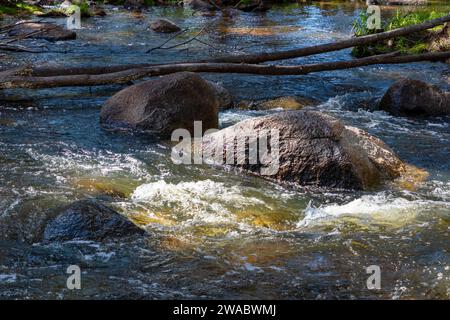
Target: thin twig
(185,42)
(167,41)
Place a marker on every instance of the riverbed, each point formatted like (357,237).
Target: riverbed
(215,233)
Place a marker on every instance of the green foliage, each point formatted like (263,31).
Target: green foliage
(13,8)
(406,44)
(360,25)
(400,20)
(84,8)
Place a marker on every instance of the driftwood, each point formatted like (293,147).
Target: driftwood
(48,77)
(21,78)
(254,58)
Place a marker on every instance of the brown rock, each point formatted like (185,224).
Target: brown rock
(50,32)
(315,150)
(408,97)
(164,26)
(223,95)
(164,104)
(285,103)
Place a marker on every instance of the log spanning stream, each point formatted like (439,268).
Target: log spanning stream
(212,233)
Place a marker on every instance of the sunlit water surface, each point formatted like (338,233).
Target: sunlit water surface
(212,233)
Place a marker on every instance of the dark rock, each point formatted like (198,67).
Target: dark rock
(164,26)
(256,6)
(53,14)
(50,32)
(99,13)
(223,95)
(315,150)
(199,5)
(408,97)
(164,104)
(89,220)
(135,5)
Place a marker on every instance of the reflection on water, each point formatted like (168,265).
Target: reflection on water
(212,233)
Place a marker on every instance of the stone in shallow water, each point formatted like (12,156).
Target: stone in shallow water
(259,31)
(115,187)
(46,31)
(407,97)
(89,220)
(164,104)
(285,103)
(315,150)
(164,26)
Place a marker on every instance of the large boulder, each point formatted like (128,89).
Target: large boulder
(408,97)
(164,26)
(89,220)
(41,30)
(315,150)
(164,104)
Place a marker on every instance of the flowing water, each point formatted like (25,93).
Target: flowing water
(213,233)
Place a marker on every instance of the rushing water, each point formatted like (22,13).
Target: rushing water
(217,234)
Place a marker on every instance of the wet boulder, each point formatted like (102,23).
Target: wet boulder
(41,30)
(163,104)
(408,97)
(199,5)
(314,150)
(89,220)
(164,26)
(223,95)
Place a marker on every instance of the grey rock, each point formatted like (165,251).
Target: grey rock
(315,150)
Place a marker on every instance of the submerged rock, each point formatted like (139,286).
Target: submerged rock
(47,31)
(89,220)
(114,187)
(164,104)
(164,26)
(397,2)
(408,97)
(315,150)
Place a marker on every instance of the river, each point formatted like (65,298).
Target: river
(213,233)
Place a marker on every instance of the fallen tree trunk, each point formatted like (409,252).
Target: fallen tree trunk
(254,58)
(333,46)
(22,79)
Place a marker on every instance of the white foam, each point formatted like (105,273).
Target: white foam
(204,200)
(8,278)
(379,208)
